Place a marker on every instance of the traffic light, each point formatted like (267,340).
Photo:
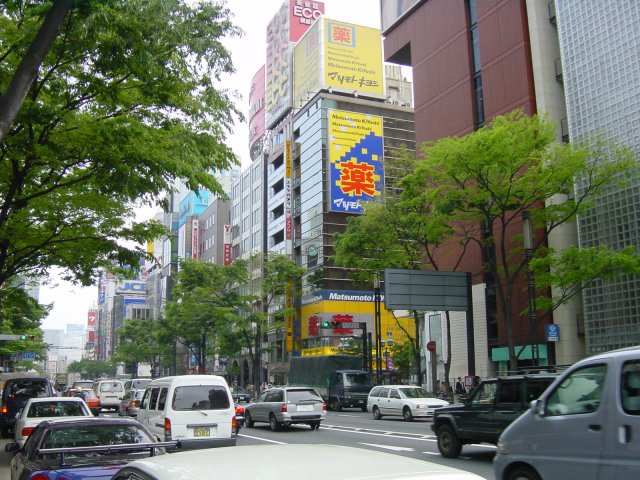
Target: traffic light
(328,324)
(27,337)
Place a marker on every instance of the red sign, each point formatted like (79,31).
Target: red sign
(314,322)
(431,346)
(303,13)
(343,317)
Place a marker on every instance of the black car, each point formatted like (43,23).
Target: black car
(82,448)
(490,408)
(17,391)
(240,395)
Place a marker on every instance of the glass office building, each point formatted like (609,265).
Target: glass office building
(600,49)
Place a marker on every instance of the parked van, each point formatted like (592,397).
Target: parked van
(110,392)
(585,425)
(198,410)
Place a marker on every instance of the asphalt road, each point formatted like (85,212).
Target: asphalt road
(355,428)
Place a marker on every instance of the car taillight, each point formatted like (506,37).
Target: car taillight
(26,431)
(5,410)
(324,407)
(239,410)
(284,407)
(167,430)
(234,423)
(40,476)
(133,403)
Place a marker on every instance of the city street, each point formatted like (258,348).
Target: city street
(355,428)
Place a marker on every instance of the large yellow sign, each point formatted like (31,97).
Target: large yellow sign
(353,57)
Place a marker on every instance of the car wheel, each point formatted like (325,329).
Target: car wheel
(522,472)
(376,413)
(273,423)
(248,421)
(448,442)
(314,425)
(407,415)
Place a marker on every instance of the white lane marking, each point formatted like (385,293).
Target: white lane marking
(262,439)
(389,447)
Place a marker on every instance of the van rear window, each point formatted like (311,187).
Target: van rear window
(28,388)
(111,387)
(200,397)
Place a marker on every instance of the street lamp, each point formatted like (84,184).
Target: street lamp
(531,284)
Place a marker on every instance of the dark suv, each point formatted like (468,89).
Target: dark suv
(490,408)
(16,393)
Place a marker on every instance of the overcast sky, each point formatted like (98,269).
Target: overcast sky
(70,303)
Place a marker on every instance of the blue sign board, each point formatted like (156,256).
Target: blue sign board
(553,333)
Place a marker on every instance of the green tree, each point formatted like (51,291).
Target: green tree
(487,179)
(281,280)
(206,302)
(93,368)
(21,314)
(138,344)
(125,102)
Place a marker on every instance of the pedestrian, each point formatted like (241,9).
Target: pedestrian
(460,386)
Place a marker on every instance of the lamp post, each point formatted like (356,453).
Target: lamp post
(378,327)
(531,284)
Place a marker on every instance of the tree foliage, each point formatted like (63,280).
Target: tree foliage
(21,314)
(125,102)
(93,368)
(138,344)
(207,301)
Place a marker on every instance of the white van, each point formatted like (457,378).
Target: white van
(198,410)
(586,425)
(110,392)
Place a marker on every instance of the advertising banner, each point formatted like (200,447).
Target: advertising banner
(353,58)
(356,171)
(194,238)
(303,14)
(278,94)
(307,72)
(256,108)
(91,319)
(227,245)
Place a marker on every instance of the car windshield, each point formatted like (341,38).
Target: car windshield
(140,384)
(94,436)
(357,379)
(415,392)
(57,409)
(298,396)
(200,397)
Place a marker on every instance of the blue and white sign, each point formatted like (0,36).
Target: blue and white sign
(553,333)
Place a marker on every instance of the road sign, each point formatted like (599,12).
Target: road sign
(553,333)
(4,336)
(431,346)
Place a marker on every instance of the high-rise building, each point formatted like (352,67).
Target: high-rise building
(599,46)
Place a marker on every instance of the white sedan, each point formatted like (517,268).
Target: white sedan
(47,408)
(288,462)
(407,401)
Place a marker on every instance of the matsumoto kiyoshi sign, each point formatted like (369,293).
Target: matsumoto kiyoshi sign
(356,171)
(340,296)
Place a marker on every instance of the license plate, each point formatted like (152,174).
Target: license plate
(201,432)
(305,408)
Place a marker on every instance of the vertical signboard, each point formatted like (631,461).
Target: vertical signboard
(256,111)
(194,238)
(91,325)
(278,67)
(356,172)
(227,245)
(288,199)
(353,58)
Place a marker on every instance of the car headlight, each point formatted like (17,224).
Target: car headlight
(501,447)
(421,406)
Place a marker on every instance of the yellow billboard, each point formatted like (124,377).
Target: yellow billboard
(306,70)
(353,57)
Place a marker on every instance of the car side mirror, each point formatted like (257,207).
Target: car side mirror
(537,407)
(12,447)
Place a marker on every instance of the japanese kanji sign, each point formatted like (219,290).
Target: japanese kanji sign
(356,173)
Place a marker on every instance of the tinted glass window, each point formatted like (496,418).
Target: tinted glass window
(509,392)
(485,394)
(27,388)
(111,387)
(580,392)
(630,384)
(375,391)
(384,393)
(295,396)
(56,409)
(200,397)
(153,398)
(394,393)
(162,398)
(140,384)
(355,379)
(536,387)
